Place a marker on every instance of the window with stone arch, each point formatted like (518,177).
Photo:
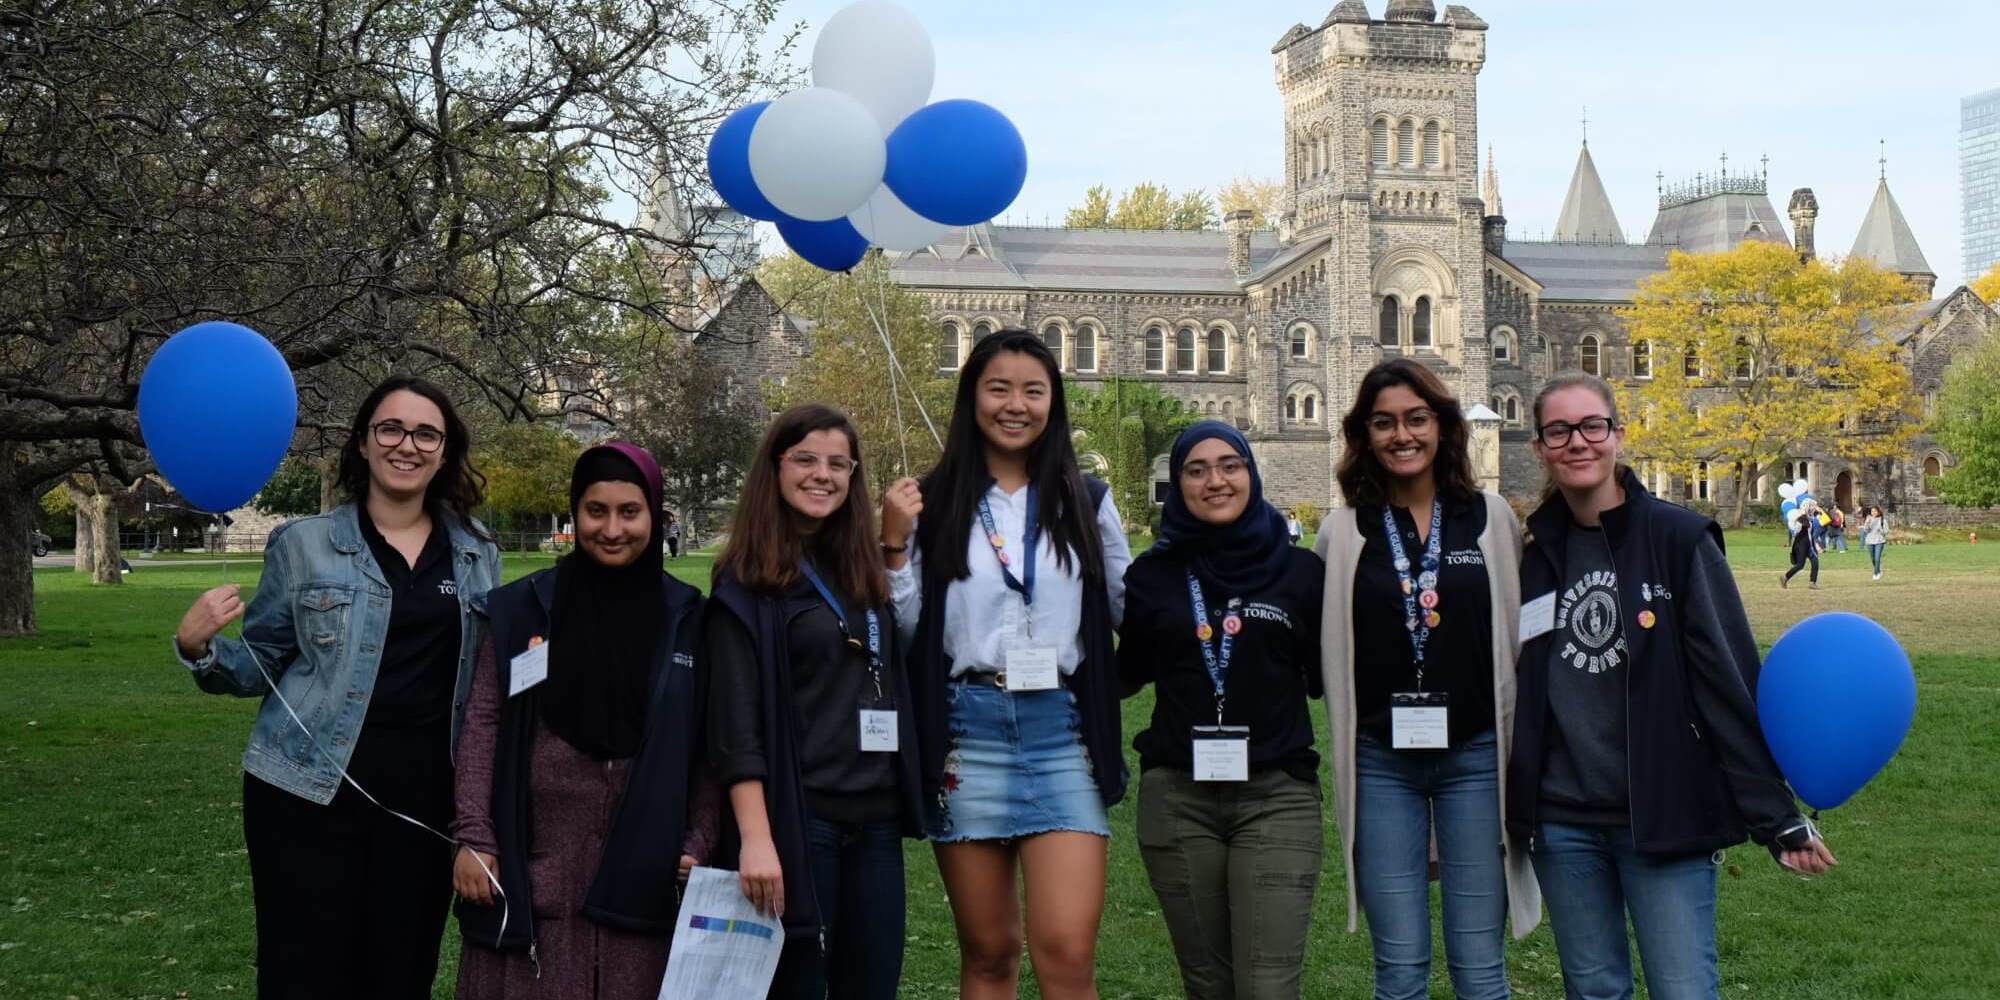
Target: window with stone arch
(1505,349)
(1933,469)
(1225,407)
(1690,364)
(1642,359)
(1156,349)
(1390,329)
(1291,408)
(1184,350)
(1406,143)
(1083,348)
(1379,142)
(1218,351)
(1507,403)
(1306,407)
(1420,323)
(1052,338)
(1208,408)
(982,330)
(1589,353)
(1433,148)
(1745,363)
(1301,338)
(949,336)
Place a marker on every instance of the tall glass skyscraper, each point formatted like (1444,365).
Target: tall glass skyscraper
(1979,180)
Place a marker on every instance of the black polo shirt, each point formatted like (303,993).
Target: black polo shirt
(420,654)
(1458,659)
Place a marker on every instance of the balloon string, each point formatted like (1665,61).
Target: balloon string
(902,431)
(897,366)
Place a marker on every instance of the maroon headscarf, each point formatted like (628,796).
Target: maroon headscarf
(604,627)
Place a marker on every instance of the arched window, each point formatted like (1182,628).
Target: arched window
(1083,352)
(1406,143)
(1744,367)
(1301,342)
(1208,407)
(1698,490)
(1225,407)
(1156,350)
(1691,363)
(1052,338)
(1503,346)
(1389,331)
(1291,407)
(1587,355)
(1184,350)
(981,330)
(1510,410)
(1433,149)
(1420,323)
(1379,142)
(1306,410)
(1933,468)
(1642,359)
(1218,351)
(948,346)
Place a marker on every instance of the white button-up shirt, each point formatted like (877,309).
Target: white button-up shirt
(983,617)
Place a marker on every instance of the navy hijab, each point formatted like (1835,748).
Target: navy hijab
(1243,556)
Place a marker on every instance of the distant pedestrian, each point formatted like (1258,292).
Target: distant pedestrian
(1293,529)
(1875,535)
(673,535)
(1836,528)
(1805,548)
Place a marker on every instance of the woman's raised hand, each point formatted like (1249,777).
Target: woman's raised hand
(211,611)
(900,507)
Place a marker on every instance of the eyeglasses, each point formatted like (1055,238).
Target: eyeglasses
(1417,421)
(806,461)
(390,434)
(1555,433)
(1230,468)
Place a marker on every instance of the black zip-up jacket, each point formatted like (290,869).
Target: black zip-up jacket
(636,885)
(767,617)
(1701,777)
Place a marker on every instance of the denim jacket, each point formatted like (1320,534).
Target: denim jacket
(317,624)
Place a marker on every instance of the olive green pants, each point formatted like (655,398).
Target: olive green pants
(1234,865)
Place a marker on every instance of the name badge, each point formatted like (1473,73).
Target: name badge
(878,730)
(1417,721)
(528,669)
(1222,753)
(1032,668)
(1538,616)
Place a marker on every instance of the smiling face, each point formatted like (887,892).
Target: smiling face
(1579,466)
(1215,482)
(1013,402)
(813,475)
(613,523)
(1403,432)
(403,470)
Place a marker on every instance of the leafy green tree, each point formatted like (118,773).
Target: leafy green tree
(1968,425)
(527,468)
(293,489)
(701,426)
(1145,206)
(1094,213)
(1264,198)
(1127,423)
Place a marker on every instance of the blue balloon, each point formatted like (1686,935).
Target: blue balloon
(834,245)
(217,406)
(957,162)
(729,164)
(1836,697)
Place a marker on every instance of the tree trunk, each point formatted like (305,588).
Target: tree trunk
(104,524)
(1742,496)
(17,573)
(329,482)
(86,533)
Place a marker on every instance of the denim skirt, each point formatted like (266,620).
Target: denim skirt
(1016,767)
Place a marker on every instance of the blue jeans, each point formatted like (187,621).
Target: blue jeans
(858,876)
(1591,878)
(1875,554)
(1398,794)
(1838,540)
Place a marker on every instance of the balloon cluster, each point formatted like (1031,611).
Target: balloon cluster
(859,157)
(1795,496)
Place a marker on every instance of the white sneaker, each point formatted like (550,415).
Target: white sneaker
(1878,576)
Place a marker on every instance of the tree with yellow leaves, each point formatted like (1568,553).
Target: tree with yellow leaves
(1756,356)
(1987,286)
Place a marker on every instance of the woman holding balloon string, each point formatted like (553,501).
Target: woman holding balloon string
(1805,546)
(1008,590)
(363,620)
(1638,755)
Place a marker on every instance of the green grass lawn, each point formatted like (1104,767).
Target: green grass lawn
(122,870)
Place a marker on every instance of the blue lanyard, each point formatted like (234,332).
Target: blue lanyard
(1029,534)
(1218,664)
(1418,622)
(840,615)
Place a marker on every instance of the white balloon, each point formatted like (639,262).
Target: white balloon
(888,223)
(1786,491)
(817,154)
(1800,486)
(1792,519)
(879,53)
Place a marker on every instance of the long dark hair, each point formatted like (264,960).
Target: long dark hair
(1361,476)
(458,487)
(952,489)
(765,547)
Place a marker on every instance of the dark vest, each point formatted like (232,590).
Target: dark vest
(767,617)
(1680,802)
(1095,681)
(635,885)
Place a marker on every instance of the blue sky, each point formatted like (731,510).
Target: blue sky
(1183,94)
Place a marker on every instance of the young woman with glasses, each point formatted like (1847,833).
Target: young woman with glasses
(1009,591)
(1222,618)
(810,715)
(363,621)
(1637,753)
(1417,649)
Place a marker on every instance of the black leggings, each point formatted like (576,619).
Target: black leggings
(1799,560)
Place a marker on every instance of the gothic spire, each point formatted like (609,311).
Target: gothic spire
(1491,194)
(1586,211)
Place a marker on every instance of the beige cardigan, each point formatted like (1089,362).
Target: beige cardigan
(1340,544)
